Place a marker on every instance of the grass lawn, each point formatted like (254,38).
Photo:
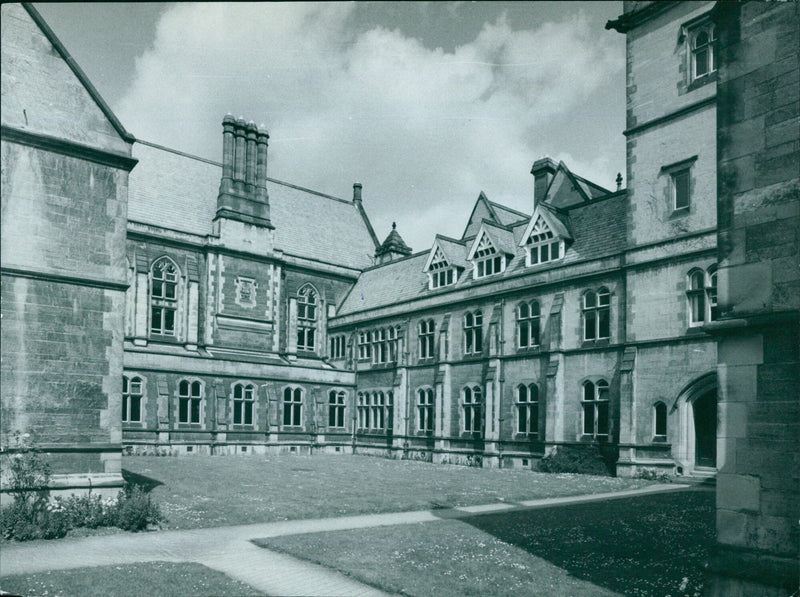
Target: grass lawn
(207,491)
(649,545)
(165,579)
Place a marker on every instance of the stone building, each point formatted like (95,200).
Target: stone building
(64,184)
(231,312)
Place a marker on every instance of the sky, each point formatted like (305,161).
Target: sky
(425,103)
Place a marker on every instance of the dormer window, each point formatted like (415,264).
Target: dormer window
(487,260)
(440,273)
(543,245)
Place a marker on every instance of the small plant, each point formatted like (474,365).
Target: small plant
(586,460)
(136,510)
(651,474)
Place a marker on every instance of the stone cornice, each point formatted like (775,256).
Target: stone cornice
(61,278)
(68,148)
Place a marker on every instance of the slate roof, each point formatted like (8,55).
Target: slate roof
(177,191)
(598,229)
(454,251)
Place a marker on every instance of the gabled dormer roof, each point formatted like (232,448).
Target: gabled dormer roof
(567,189)
(491,211)
(500,237)
(545,217)
(452,251)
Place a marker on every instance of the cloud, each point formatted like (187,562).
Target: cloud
(425,130)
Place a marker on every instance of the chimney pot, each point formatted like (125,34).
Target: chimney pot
(543,170)
(357,192)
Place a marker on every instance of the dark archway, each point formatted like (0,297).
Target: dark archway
(705,429)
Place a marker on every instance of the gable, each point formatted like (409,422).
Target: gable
(481,211)
(563,192)
(44,91)
(436,260)
(540,232)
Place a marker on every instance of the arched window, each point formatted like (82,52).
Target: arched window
(528,324)
(660,421)
(473,332)
(527,409)
(306,318)
(292,407)
(132,399)
(426,335)
(163,297)
(701,293)
(596,315)
(336,405)
(595,409)
(190,399)
(703,50)
(425,409)
(472,404)
(244,396)
(364,346)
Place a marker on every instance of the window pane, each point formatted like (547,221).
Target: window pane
(534,419)
(588,419)
(523,334)
(589,326)
(555,249)
(195,411)
(155,319)
(522,417)
(534,255)
(681,184)
(183,411)
(478,340)
(169,321)
(605,325)
(545,253)
(589,300)
(237,412)
(701,63)
(124,408)
(661,419)
(602,418)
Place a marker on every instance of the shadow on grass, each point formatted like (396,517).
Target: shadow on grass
(147,484)
(647,545)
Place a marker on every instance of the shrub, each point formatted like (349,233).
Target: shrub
(651,474)
(136,510)
(586,460)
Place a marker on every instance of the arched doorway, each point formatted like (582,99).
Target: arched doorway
(695,451)
(705,429)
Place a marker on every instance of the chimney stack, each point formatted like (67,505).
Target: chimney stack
(243,189)
(543,170)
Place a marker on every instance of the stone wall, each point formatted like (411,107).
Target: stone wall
(759,366)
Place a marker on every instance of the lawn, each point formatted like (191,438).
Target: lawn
(649,545)
(208,491)
(165,579)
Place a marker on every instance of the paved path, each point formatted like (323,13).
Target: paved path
(228,549)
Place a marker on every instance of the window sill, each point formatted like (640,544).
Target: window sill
(377,366)
(471,435)
(660,439)
(525,436)
(164,339)
(473,356)
(423,433)
(702,81)
(188,426)
(596,343)
(426,360)
(529,349)
(293,428)
(681,212)
(591,439)
(696,330)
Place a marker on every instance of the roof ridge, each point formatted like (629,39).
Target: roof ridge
(511,209)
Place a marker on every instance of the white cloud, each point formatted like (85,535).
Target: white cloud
(424,129)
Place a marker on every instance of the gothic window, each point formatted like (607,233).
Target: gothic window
(527,409)
(487,260)
(306,318)
(425,409)
(426,338)
(378,414)
(528,324)
(702,296)
(292,407)
(132,399)
(440,273)
(703,47)
(660,421)
(596,315)
(336,399)
(543,245)
(472,404)
(243,401)
(190,399)
(163,297)
(473,332)
(595,409)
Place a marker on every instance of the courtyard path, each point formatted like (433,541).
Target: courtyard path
(228,549)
